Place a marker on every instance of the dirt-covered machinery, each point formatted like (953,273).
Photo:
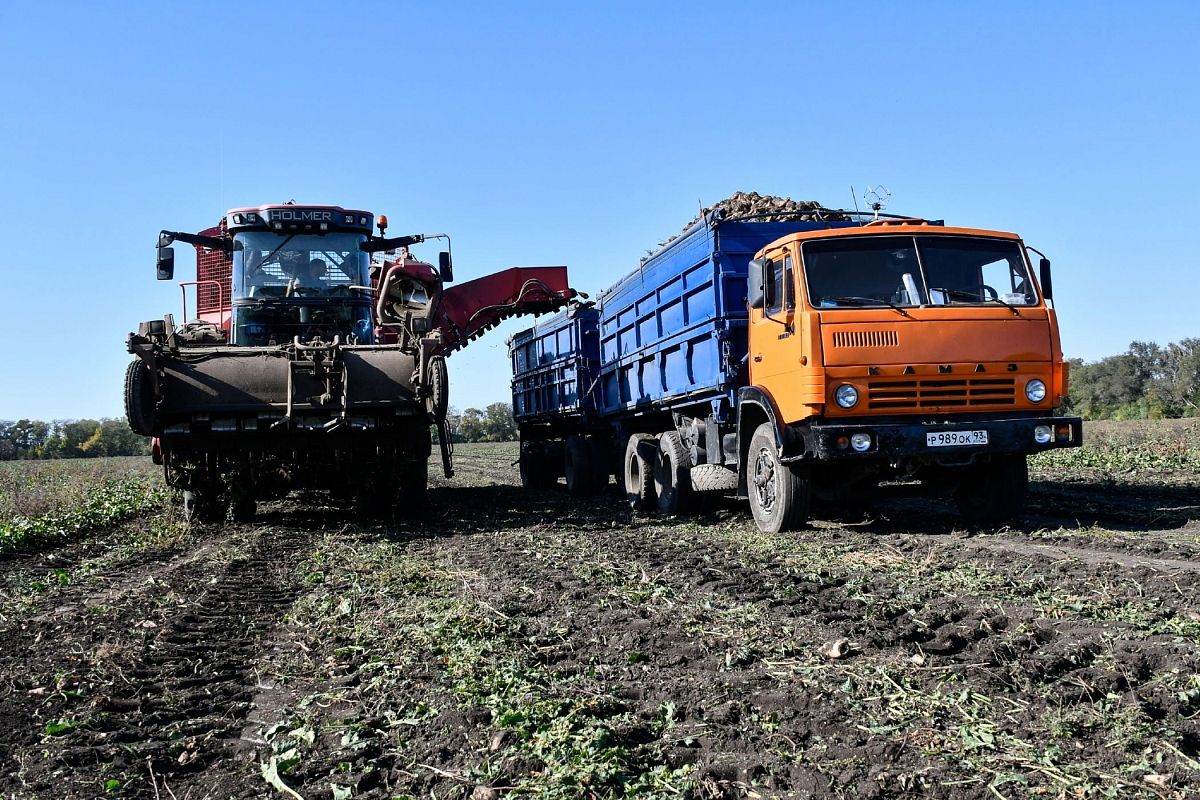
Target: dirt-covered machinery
(316,359)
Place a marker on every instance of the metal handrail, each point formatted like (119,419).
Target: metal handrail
(220,297)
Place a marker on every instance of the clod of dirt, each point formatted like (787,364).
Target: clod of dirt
(918,659)
(838,648)
(484,793)
(1161,781)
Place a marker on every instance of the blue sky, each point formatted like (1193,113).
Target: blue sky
(579,135)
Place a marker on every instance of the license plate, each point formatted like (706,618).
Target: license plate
(956,438)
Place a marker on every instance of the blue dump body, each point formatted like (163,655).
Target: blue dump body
(555,366)
(671,333)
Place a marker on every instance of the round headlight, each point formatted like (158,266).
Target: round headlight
(846,396)
(861,442)
(1042,434)
(1035,390)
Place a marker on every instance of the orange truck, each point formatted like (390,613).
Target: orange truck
(786,359)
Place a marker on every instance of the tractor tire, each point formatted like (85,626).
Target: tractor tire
(779,498)
(438,380)
(413,479)
(993,493)
(577,466)
(639,472)
(673,475)
(139,398)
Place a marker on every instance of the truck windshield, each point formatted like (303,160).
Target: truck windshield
(272,265)
(916,271)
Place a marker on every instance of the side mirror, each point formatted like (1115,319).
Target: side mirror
(166,263)
(445,267)
(756,297)
(1047,284)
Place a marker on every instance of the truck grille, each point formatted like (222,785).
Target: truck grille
(876,338)
(931,392)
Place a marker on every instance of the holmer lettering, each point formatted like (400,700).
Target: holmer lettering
(302,216)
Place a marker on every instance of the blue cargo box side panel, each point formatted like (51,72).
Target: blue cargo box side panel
(554,366)
(676,328)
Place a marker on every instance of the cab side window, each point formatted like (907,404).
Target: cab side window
(789,283)
(774,285)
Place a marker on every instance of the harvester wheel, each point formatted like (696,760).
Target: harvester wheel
(414,485)
(139,398)
(202,507)
(243,509)
(438,380)
(993,493)
(672,474)
(639,472)
(779,497)
(577,466)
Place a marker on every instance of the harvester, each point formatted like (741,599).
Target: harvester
(316,359)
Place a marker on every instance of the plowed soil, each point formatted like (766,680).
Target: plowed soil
(532,644)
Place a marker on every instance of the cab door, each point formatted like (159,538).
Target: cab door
(772,327)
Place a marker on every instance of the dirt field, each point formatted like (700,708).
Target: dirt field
(513,643)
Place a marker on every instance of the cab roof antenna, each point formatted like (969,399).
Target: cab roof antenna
(877,198)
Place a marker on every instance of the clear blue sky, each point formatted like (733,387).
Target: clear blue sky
(579,134)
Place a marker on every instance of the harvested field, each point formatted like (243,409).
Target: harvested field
(514,643)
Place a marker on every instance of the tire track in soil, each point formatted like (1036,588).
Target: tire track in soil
(180,704)
(1016,651)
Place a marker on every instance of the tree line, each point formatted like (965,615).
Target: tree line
(62,438)
(1147,381)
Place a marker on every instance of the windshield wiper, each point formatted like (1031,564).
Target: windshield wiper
(867,301)
(277,249)
(976,298)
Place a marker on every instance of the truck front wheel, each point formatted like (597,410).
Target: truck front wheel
(639,472)
(993,492)
(779,498)
(672,475)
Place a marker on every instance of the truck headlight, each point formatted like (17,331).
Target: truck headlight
(1042,434)
(1035,390)
(861,442)
(846,396)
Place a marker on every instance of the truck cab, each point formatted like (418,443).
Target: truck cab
(901,348)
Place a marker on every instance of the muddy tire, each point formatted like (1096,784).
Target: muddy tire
(779,498)
(673,475)
(202,507)
(139,398)
(535,467)
(993,493)
(577,466)
(243,509)
(438,380)
(414,485)
(639,472)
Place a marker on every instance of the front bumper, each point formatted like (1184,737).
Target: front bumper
(900,440)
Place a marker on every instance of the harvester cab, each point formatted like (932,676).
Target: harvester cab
(317,357)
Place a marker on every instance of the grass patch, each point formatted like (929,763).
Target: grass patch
(99,506)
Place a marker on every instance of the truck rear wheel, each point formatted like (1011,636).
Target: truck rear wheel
(577,466)
(639,472)
(779,498)
(993,492)
(672,475)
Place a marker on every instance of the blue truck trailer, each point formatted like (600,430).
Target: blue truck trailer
(714,366)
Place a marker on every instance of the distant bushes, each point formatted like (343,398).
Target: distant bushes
(1145,382)
(83,438)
